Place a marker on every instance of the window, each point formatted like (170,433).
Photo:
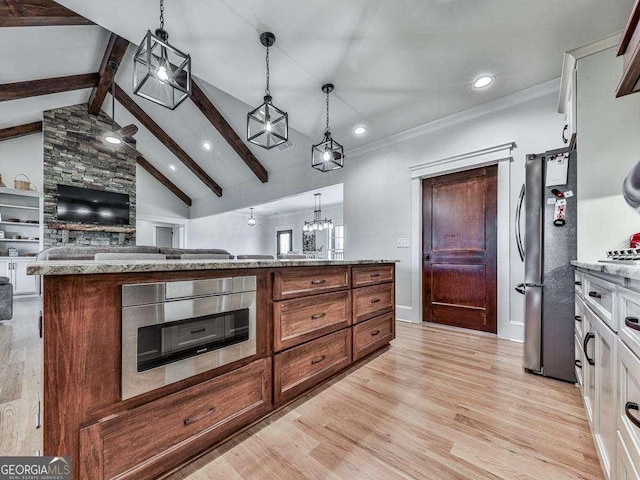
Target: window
(284,239)
(336,243)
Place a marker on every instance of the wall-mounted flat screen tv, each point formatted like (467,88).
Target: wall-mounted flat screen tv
(88,205)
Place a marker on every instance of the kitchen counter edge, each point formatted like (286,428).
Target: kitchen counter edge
(618,269)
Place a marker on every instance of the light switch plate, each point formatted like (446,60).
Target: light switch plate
(402,243)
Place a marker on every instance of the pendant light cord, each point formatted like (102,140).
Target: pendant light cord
(162,14)
(327,129)
(267,91)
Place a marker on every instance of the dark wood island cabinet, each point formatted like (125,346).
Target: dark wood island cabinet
(313,319)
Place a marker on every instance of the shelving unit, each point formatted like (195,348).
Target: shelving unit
(25,207)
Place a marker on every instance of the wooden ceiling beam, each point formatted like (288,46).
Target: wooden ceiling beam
(37,13)
(216,119)
(144,163)
(116,48)
(20,131)
(46,86)
(135,110)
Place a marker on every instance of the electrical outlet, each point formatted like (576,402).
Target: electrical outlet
(402,243)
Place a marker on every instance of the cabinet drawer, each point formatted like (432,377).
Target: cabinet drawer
(579,360)
(579,318)
(371,275)
(625,466)
(628,314)
(298,282)
(373,334)
(578,283)
(628,366)
(302,367)
(153,438)
(303,319)
(369,302)
(599,295)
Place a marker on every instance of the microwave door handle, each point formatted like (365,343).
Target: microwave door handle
(518,228)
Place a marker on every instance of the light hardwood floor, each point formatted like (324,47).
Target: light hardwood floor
(439,404)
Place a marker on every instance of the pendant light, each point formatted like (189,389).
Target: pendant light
(328,154)
(161,73)
(252,221)
(318,223)
(267,125)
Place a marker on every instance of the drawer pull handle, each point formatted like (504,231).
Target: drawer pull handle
(375,300)
(632,322)
(375,332)
(627,410)
(588,336)
(578,363)
(191,420)
(193,332)
(375,275)
(578,318)
(318,282)
(318,315)
(318,360)
(595,295)
(578,284)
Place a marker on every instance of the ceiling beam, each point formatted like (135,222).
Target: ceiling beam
(144,163)
(116,48)
(135,110)
(201,101)
(20,131)
(46,86)
(37,13)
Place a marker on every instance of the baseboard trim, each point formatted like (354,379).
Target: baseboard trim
(404,313)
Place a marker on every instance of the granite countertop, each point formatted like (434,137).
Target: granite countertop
(87,267)
(618,269)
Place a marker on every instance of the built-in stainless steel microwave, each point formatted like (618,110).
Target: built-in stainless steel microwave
(174,330)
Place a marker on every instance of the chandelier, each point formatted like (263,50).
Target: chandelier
(161,72)
(318,223)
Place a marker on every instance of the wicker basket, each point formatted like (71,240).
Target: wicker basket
(21,184)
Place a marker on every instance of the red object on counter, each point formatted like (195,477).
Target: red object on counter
(634,242)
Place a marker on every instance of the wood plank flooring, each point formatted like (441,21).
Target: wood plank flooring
(439,404)
(20,380)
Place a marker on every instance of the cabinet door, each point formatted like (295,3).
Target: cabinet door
(23,283)
(605,365)
(589,377)
(5,269)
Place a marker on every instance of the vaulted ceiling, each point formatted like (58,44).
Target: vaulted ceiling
(396,65)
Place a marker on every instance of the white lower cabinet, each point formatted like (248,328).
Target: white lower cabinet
(588,365)
(624,465)
(16,270)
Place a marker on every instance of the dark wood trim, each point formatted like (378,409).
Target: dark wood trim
(20,130)
(216,119)
(144,163)
(37,13)
(135,110)
(46,86)
(76,227)
(629,29)
(116,48)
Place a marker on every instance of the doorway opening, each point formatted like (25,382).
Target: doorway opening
(459,251)
(284,241)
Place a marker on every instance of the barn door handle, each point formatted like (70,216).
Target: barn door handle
(627,410)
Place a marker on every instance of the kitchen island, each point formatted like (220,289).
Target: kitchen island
(149,364)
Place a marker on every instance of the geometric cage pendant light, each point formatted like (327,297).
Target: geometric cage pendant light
(328,154)
(267,125)
(161,72)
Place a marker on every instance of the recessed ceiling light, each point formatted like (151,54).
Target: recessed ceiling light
(172,167)
(206,145)
(359,130)
(483,81)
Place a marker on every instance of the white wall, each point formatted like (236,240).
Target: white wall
(608,147)
(22,155)
(228,231)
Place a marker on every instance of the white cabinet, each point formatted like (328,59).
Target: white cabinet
(588,366)
(16,270)
(625,468)
(605,391)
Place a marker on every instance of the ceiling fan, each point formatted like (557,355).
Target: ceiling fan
(116,137)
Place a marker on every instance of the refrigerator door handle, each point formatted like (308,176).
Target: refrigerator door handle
(518,229)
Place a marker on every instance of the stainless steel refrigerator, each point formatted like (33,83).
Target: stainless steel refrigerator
(549,246)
